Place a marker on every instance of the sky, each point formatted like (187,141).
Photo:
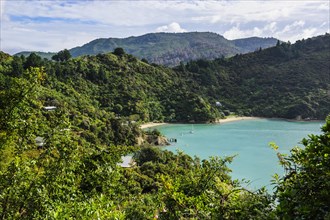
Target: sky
(53,25)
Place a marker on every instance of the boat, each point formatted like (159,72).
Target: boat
(192,129)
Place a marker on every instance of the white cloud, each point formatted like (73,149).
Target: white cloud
(234,33)
(2,7)
(247,11)
(173,27)
(292,27)
(27,37)
(324,6)
(272,27)
(324,24)
(298,34)
(290,32)
(267,31)
(74,22)
(299,30)
(147,12)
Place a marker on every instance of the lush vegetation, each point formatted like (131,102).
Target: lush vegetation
(65,124)
(288,81)
(119,84)
(172,48)
(72,179)
(44,55)
(252,44)
(304,191)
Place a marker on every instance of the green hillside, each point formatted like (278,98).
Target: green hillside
(252,44)
(289,81)
(46,55)
(164,48)
(62,162)
(286,81)
(170,49)
(73,171)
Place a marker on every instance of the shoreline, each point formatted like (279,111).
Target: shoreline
(232,119)
(219,121)
(151,125)
(239,118)
(226,120)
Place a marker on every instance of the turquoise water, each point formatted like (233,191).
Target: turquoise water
(249,139)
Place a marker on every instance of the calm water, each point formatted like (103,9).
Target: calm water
(249,139)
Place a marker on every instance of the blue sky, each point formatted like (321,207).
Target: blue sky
(57,24)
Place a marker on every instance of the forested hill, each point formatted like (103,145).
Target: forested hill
(170,49)
(45,55)
(252,44)
(286,81)
(64,126)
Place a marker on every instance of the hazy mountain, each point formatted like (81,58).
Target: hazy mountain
(172,48)
(254,43)
(47,55)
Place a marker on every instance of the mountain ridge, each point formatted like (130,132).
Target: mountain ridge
(170,49)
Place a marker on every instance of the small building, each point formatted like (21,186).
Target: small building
(127,161)
(40,141)
(50,108)
(218,104)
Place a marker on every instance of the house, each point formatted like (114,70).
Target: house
(49,108)
(127,161)
(40,141)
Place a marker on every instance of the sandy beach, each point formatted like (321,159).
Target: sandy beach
(225,120)
(231,119)
(151,124)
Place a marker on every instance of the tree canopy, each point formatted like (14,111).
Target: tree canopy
(304,191)
(63,55)
(64,127)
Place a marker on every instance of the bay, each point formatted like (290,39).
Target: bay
(249,140)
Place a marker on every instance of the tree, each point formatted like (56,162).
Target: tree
(63,55)
(17,65)
(278,43)
(20,119)
(304,191)
(33,60)
(119,51)
(144,60)
(146,154)
(52,182)
(205,191)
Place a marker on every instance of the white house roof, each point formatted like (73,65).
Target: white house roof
(40,141)
(127,161)
(49,108)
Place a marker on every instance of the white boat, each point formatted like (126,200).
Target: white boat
(192,129)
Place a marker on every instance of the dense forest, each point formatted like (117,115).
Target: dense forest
(170,49)
(288,81)
(66,123)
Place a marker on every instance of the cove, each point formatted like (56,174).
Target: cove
(249,140)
